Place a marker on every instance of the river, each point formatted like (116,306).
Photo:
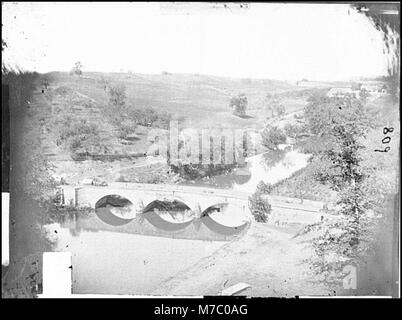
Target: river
(107,262)
(269,167)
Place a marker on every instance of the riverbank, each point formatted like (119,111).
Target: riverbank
(266,257)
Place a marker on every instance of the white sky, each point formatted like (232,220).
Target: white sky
(277,41)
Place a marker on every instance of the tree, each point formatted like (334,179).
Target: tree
(126,128)
(239,104)
(104,83)
(77,69)
(264,188)
(80,136)
(45,82)
(274,105)
(364,95)
(294,131)
(259,207)
(272,137)
(117,110)
(117,96)
(345,121)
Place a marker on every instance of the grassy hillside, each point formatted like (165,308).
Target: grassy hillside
(200,100)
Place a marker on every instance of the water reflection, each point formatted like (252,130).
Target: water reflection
(121,263)
(270,167)
(114,210)
(157,221)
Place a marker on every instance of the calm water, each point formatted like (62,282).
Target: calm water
(270,167)
(122,263)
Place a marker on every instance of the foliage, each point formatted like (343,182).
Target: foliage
(45,82)
(126,128)
(149,117)
(272,137)
(77,69)
(315,145)
(239,104)
(294,131)
(80,136)
(344,121)
(126,118)
(117,97)
(295,185)
(274,105)
(193,171)
(324,113)
(364,95)
(264,188)
(259,207)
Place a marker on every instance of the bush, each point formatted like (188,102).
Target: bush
(259,207)
(316,144)
(77,69)
(264,188)
(149,117)
(294,131)
(272,137)
(239,105)
(117,95)
(80,136)
(126,128)
(274,105)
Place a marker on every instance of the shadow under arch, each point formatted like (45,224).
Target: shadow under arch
(151,214)
(104,206)
(217,227)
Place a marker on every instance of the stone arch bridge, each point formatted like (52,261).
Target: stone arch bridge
(142,195)
(198,199)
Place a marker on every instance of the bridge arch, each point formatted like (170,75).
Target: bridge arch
(168,215)
(115,210)
(217,218)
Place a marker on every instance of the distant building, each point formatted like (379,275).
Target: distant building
(372,88)
(376,89)
(342,92)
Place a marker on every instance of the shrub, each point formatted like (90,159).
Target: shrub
(126,128)
(259,207)
(316,144)
(264,188)
(239,104)
(80,137)
(149,117)
(117,95)
(272,137)
(77,69)
(294,131)
(274,105)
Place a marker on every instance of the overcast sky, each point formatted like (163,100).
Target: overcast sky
(277,41)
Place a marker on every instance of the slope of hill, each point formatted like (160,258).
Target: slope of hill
(202,100)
